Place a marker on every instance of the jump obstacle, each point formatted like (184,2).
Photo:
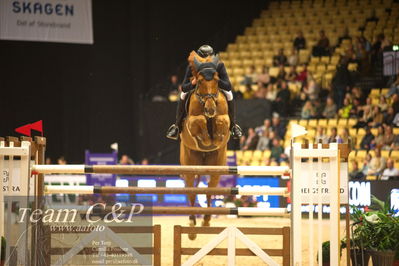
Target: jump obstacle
(311,153)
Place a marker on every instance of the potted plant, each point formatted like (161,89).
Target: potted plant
(325,247)
(3,251)
(377,231)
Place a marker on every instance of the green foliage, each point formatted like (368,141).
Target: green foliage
(3,248)
(377,229)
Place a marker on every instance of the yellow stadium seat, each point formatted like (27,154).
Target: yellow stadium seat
(371,177)
(273,71)
(303,122)
(361,154)
(230,153)
(257,154)
(247,154)
(332,122)
(312,123)
(352,131)
(323,122)
(385,90)
(375,93)
(372,153)
(374,131)
(385,153)
(342,122)
(352,122)
(266,154)
(395,155)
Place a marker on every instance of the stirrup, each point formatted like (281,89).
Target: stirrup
(236,131)
(173,132)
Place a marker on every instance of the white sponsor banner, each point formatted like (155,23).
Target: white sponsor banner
(315,181)
(67,21)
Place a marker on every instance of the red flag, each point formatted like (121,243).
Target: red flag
(25,130)
(38,126)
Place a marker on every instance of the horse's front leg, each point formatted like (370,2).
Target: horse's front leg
(197,127)
(221,129)
(213,182)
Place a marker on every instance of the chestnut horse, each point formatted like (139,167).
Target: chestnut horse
(205,131)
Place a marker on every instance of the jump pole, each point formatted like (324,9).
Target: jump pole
(248,191)
(253,211)
(161,170)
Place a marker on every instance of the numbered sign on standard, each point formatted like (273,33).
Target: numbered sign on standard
(315,182)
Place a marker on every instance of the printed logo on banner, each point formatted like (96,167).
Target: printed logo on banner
(90,232)
(314,182)
(67,21)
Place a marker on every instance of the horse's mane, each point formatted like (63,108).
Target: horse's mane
(199,58)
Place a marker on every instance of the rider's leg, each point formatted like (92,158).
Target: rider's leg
(235,129)
(174,130)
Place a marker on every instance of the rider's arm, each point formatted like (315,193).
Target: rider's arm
(187,85)
(224,81)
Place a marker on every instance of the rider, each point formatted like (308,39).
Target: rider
(188,85)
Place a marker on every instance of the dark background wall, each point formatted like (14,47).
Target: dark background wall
(90,96)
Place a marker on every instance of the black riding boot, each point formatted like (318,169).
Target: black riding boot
(174,130)
(235,129)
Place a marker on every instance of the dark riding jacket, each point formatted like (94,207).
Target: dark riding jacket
(224,81)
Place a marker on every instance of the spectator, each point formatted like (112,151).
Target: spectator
(307,110)
(356,173)
(321,137)
(48,160)
(367,140)
(379,139)
(378,117)
(395,143)
(377,164)
(366,164)
(341,82)
(281,73)
(311,89)
(322,48)
(61,161)
(277,152)
(366,117)
(173,86)
(330,110)
(390,172)
(145,161)
(281,104)
(344,36)
(264,141)
(299,41)
(389,116)
(293,58)
(334,138)
(376,48)
(357,108)
(251,77)
(388,138)
(278,127)
(383,105)
(393,86)
(251,141)
(264,77)
(345,137)
(248,93)
(125,160)
(265,127)
(271,92)
(344,112)
(292,75)
(280,59)
(395,103)
(303,75)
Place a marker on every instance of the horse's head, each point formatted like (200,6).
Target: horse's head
(207,89)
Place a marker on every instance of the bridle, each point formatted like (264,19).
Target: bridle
(202,98)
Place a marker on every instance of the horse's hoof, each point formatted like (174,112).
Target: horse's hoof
(192,236)
(206,223)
